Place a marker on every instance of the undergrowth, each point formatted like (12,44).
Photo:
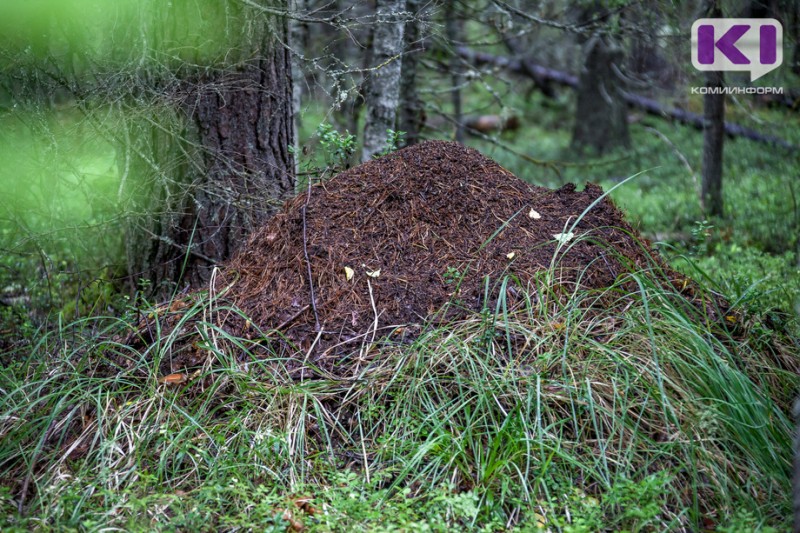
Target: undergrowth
(603,411)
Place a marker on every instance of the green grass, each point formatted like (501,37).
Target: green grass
(566,413)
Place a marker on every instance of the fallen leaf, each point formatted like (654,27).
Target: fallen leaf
(534,214)
(348,273)
(173,379)
(510,255)
(563,238)
(177,305)
(305,505)
(294,525)
(374,274)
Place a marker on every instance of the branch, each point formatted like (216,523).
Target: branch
(572,28)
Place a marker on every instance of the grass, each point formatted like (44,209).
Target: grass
(567,414)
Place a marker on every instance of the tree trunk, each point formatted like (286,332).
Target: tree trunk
(454,29)
(298,39)
(601,121)
(713,134)
(383,86)
(206,184)
(713,139)
(412,114)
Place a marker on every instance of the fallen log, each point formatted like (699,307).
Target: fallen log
(648,105)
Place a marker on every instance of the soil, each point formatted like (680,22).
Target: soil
(433,223)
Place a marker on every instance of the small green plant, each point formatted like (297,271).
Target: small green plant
(334,156)
(336,147)
(701,236)
(452,275)
(393,141)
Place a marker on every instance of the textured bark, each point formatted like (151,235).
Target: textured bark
(713,142)
(205,188)
(383,86)
(298,38)
(601,121)
(412,114)
(454,29)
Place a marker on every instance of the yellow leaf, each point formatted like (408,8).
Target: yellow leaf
(510,255)
(374,274)
(348,273)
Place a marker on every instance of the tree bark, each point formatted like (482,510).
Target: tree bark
(713,139)
(383,86)
(218,168)
(713,134)
(454,29)
(412,114)
(298,38)
(601,121)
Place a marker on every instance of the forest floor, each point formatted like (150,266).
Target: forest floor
(477,352)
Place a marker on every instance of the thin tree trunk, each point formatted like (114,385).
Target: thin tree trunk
(298,37)
(412,114)
(454,30)
(713,140)
(383,86)
(713,134)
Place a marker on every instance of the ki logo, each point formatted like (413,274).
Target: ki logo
(754,45)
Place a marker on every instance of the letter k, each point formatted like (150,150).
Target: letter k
(726,44)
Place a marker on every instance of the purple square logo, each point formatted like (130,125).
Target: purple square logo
(754,45)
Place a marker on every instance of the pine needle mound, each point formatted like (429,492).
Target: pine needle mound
(390,242)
